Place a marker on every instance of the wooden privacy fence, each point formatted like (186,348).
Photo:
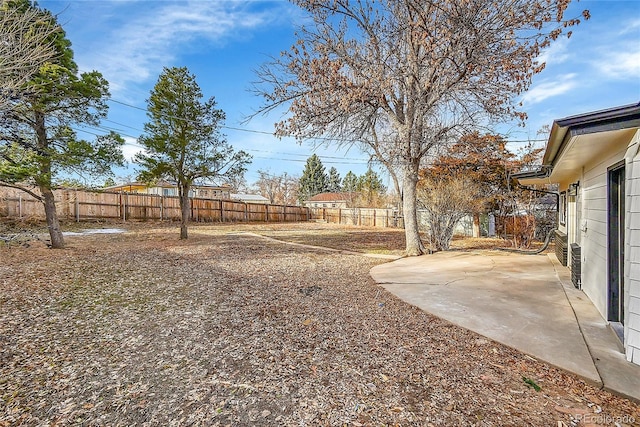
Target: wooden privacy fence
(82,205)
(368,217)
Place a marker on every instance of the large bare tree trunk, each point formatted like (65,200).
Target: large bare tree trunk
(414,246)
(57,239)
(186,211)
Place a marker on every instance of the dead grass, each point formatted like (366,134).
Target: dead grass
(228,329)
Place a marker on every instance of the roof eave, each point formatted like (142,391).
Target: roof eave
(610,119)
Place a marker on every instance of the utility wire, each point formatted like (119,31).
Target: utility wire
(262,132)
(353,162)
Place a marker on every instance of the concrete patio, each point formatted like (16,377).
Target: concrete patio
(524,301)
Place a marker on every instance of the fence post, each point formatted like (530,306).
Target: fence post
(194,206)
(19,205)
(246,212)
(77,207)
(266,213)
(221,211)
(374,217)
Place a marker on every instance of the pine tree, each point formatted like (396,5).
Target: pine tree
(350,183)
(314,180)
(182,139)
(38,139)
(334,182)
(371,187)
(370,181)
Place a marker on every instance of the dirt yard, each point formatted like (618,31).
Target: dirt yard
(229,329)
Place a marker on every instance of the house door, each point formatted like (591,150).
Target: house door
(616,244)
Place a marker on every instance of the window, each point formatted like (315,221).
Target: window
(562,208)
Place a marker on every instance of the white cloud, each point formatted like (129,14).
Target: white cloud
(130,148)
(630,27)
(620,65)
(549,88)
(557,53)
(134,51)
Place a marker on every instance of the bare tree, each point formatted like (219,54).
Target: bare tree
(403,78)
(446,200)
(279,189)
(289,189)
(268,185)
(26,43)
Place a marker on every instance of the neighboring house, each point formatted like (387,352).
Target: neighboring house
(595,159)
(166,188)
(250,198)
(329,200)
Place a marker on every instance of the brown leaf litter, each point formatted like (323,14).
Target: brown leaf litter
(225,329)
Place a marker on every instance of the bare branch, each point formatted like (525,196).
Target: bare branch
(22,188)
(25,45)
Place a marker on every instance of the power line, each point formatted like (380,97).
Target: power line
(355,162)
(262,132)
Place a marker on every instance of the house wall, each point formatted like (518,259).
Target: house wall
(589,228)
(632,253)
(594,236)
(334,204)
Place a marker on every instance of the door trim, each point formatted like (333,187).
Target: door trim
(615,241)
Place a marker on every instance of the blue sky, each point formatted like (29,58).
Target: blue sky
(223,42)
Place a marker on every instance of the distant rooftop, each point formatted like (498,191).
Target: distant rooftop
(249,197)
(330,197)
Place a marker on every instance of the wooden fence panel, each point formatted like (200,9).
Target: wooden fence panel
(205,210)
(256,212)
(18,204)
(276,213)
(80,205)
(368,217)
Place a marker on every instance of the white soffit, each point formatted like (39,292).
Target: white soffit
(588,149)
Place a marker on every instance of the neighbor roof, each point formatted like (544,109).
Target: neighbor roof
(249,197)
(330,197)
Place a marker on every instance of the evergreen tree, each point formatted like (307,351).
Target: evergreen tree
(370,181)
(38,140)
(182,139)
(334,183)
(26,34)
(350,183)
(314,180)
(370,187)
